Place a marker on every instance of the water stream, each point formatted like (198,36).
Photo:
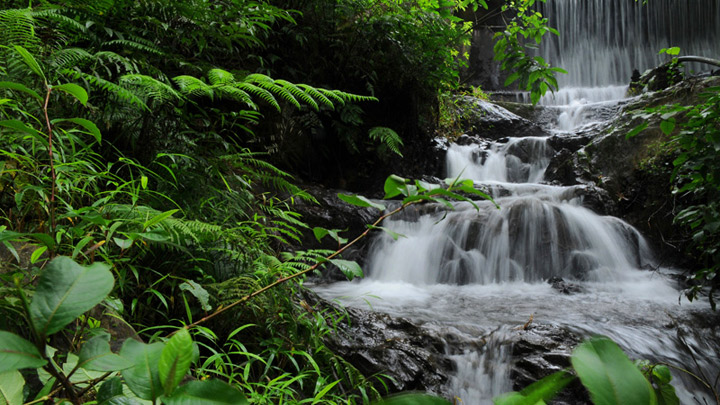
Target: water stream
(479,274)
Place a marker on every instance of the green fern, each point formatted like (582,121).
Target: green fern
(150,88)
(17,27)
(109,87)
(388,139)
(220,76)
(138,46)
(192,86)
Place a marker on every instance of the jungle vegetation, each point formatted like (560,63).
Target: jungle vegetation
(147,154)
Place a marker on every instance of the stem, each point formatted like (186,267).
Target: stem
(66,384)
(52,159)
(300,273)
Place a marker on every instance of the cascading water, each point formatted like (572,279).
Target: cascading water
(481,273)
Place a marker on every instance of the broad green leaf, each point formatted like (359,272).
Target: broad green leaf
(350,268)
(413,399)
(30,61)
(667,126)
(76,91)
(87,124)
(37,253)
(17,353)
(661,374)
(121,400)
(199,292)
(65,291)
(22,88)
(325,390)
(537,392)
(333,233)
(11,388)
(96,355)
(18,126)
(123,243)
(175,360)
(208,392)
(360,201)
(110,388)
(159,217)
(394,186)
(636,130)
(675,50)
(143,378)
(392,233)
(666,395)
(609,376)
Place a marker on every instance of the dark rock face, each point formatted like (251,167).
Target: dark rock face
(378,343)
(540,350)
(490,121)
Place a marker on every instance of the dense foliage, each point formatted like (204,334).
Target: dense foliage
(137,183)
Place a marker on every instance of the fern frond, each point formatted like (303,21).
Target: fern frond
(116,90)
(353,97)
(193,86)
(134,45)
(69,57)
(220,76)
(121,62)
(388,138)
(315,94)
(151,88)
(331,95)
(236,94)
(54,15)
(17,27)
(298,93)
(259,92)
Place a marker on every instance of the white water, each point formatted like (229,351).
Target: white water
(481,274)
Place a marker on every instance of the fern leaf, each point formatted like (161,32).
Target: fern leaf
(388,138)
(17,27)
(134,45)
(315,94)
(220,76)
(259,92)
(116,90)
(353,97)
(331,95)
(54,15)
(236,94)
(66,58)
(193,86)
(151,88)
(298,93)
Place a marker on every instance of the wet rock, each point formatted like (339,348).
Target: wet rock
(563,169)
(540,350)
(377,343)
(571,142)
(490,121)
(563,286)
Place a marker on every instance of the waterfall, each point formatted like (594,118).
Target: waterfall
(483,271)
(602,41)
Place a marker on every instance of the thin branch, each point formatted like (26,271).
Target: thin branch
(52,159)
(300,273)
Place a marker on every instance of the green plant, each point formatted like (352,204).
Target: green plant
(694,140)
(608,375)
(526,30)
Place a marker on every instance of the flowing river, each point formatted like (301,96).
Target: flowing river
(479,275)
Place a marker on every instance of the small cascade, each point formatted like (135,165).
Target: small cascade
(519,160)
